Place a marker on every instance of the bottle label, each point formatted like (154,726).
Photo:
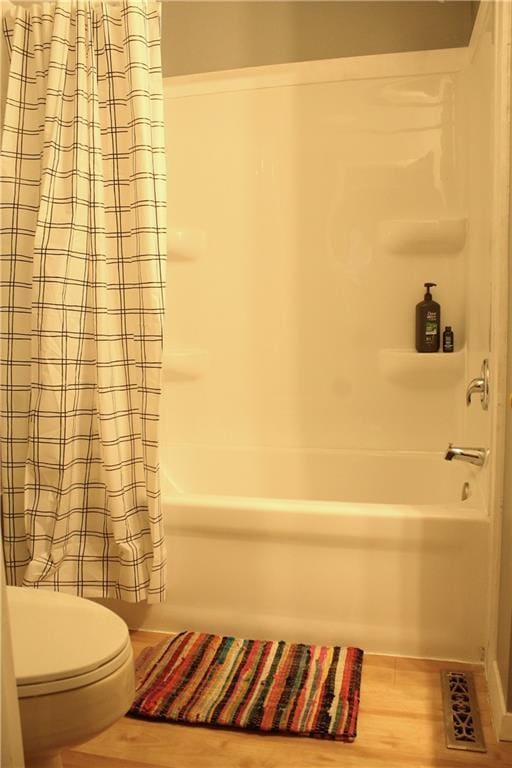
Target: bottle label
(431,328)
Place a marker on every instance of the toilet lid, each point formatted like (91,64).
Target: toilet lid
(61,641)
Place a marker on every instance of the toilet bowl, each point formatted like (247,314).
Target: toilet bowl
(74,670)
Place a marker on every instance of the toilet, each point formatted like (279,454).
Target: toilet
(74,670)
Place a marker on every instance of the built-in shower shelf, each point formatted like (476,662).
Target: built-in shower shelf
(184,364)
(408,367)
(427,237)
(185,244)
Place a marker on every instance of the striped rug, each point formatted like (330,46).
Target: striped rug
(277,687)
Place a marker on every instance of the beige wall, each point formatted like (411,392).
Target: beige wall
(504,639)
(504,649)
(209,36)
(504,653)
(504,629)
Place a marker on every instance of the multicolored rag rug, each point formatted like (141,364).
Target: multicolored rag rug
(277,687)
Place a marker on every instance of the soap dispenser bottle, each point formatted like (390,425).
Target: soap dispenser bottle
(428,323)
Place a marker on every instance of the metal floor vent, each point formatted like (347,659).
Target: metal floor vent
(461,714)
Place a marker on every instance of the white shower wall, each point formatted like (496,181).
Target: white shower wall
(479,94)
(308,204)
(302,437)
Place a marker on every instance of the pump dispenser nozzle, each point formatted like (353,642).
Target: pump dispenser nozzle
(428,286)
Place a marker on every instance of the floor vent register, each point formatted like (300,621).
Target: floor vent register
(463,727)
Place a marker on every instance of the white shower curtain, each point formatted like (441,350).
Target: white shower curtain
(82,281)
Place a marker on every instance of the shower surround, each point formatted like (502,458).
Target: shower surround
(305,492)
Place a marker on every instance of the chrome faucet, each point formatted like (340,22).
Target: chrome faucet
(481,385)
(473,455)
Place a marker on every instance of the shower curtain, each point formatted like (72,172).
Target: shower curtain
(82,281)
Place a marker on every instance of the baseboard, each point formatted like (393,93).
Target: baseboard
(501,719)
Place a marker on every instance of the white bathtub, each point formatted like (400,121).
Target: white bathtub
(407,577)
(413,478)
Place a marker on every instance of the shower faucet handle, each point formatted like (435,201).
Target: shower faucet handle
(475,385)
(473,455)
(481,385)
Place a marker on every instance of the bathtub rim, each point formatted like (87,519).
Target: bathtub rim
(172,489)
(301,510)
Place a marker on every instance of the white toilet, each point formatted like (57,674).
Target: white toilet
(74,670)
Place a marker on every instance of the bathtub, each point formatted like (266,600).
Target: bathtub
(405,575)
(411,478)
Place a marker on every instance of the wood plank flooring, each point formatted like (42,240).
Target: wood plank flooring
(400,726)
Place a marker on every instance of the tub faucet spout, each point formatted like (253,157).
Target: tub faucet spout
(473,455)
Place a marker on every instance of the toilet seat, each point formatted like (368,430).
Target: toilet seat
(62,642)
(59,685)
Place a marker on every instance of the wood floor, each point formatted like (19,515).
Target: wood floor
(400,726)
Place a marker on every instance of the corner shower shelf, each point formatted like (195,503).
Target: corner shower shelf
(427,237)
(184,364)
(185,244)
(406,366)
